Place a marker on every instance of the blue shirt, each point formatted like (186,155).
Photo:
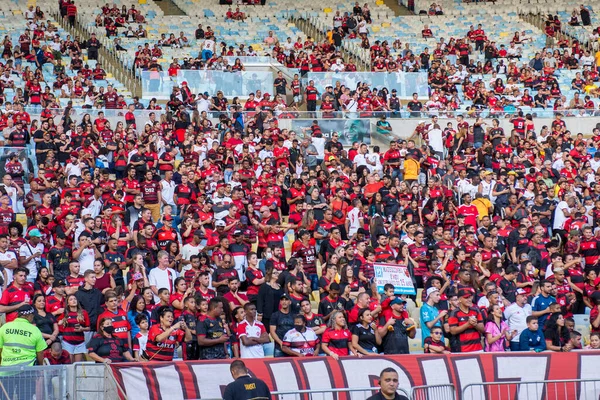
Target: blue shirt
(540,303)
(428,313)
(532,340)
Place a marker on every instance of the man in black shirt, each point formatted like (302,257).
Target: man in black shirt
(199,32)
(280,84)
(281,322)
(388,383)
(211,333)
(333,302)
(415,106)
(245,387)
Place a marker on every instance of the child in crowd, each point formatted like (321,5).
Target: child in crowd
(434,344)
(141,338)
(532,338)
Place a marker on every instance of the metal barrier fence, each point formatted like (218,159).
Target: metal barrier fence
(44,382)
(330,394)
(93,381)
(582,389)
(433,392)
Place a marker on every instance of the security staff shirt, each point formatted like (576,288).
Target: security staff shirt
(20,341)
(246,388)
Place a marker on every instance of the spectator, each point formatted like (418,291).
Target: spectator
(165,337)
(395,328)
(301,341)
(252,334)
(430,316)
(106,348)
(337,339)
(558,337)
(497,333)
(212,336)
(516,317)
(532,338)
(466,323)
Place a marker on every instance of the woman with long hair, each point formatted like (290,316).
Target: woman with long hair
(42,284)
(337,339)
(104,281)
(72,324)
(365,336)
(497,333)
(176,300)
(44,320)
(137,307)
(557,334)
(268,297)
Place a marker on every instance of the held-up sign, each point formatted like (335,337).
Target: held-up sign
(395,274)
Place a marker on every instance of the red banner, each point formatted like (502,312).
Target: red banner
(207,379)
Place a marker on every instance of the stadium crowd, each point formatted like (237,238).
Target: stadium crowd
(219,237)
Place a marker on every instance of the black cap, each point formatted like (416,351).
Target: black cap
(285,296)
(25,309)
(59,282)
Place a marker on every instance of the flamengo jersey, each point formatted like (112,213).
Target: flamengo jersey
(13,296)
(301,342)
(162,351)
(119,321)
(252,331)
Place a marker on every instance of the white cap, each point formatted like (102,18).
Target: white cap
(431,290)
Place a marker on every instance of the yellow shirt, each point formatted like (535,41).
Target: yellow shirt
(597,57)
(411,169)
(483,206)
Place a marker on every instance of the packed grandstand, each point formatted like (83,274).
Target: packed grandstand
(248,179)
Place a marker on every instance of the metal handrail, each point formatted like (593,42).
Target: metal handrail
(478,387)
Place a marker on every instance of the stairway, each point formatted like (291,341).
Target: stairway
(398,9)
(168,7)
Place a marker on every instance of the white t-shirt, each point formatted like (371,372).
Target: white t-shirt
(187,252)
(354,216)
(559,216)
(319,144)
(8,256)
(251,331)
(303,343)
(86,259)
(516,318)
(167,191)
(26,250)
(160,278)
(436,141)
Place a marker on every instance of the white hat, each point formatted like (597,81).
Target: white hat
(431,290)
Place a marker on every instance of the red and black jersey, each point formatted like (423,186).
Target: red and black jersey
(68,331)
(7,216)
(110,99)
(469,339)
(185,194)
(150,191)
(73,281)
(251,275)
(308,256)
(311,93)
(337,340)
(589,251)
(383,253)
(162,351)
(164,235)
(419,251)
(53,303)
(13,296)
(119,321)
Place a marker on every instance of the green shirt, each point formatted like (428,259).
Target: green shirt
(20,341)
(428,314)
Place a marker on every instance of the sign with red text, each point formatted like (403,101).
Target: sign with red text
(395,274)
(207,379)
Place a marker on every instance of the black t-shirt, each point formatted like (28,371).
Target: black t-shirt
(111,348)
(280,89)
(283,323)
(45,324)
(396,341)
(326,306)
(211,329)
(245,387)
(366,337)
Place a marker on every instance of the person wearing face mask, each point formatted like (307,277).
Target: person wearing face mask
(301,341)
(105,348)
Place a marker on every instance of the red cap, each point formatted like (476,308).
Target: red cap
(597,281)
(183,83)
(167,218)
(74,154)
